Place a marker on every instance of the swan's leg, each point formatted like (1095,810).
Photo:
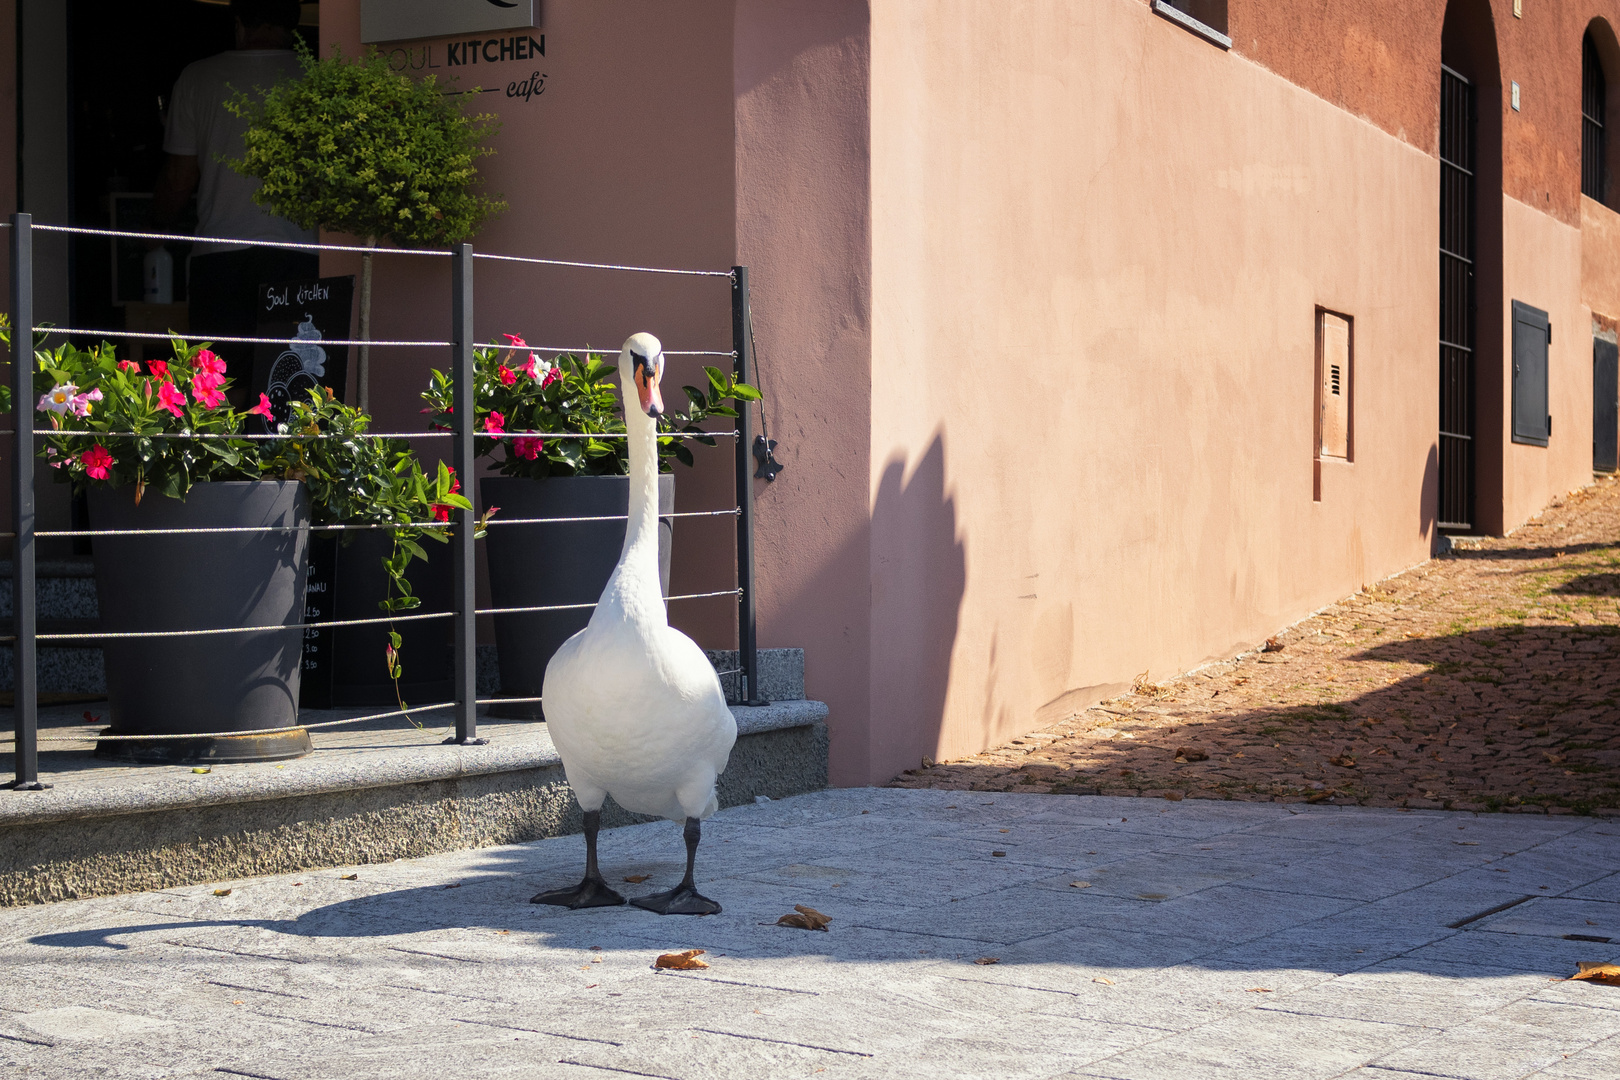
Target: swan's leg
(683,899)
(593,891)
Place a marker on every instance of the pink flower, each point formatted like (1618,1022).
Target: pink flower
(552,375)
(95,461)
(515,341)
(170,397)
(262,408)
(81,402)
(506,375)
(128,365)
(528,449)
(495,423)
(210,362)
(59,399)
(158,368)
(205,388)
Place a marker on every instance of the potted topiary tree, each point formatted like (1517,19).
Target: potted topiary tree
(522,404)
(358,147)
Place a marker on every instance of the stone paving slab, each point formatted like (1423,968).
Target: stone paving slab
(1209,940)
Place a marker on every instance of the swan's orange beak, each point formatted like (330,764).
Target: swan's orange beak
(652,402)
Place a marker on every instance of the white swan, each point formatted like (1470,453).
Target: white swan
(634,707)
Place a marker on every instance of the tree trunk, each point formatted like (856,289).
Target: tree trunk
(363,376)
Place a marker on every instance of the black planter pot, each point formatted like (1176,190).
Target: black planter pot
(359,668)
(213,682)
(565,563)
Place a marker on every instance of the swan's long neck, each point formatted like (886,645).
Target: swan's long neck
(635,593)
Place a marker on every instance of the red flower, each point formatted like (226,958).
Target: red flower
(515,341)
(170,397)
(261,409)
(128,365)
(95,461)
(552,375)
(455,485)
(506,375)
(441,512)
(206,389)
(159,368)
(495,423)
(528,449)
(211,363)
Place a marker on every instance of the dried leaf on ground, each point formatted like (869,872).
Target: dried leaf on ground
(637,879)
(1258,990)
(1344,761)
(1271,645)
(988,960)
(1104,980)
(222,892)
(348,877)
(680,961)
(1607,974)
(1191,753)
(805,918)
(1079,884)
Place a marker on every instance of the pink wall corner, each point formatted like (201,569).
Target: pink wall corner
(1542,260)
(625,156)
(803,228)
(1096,261)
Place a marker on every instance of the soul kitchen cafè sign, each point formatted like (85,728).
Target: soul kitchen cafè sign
(403,20)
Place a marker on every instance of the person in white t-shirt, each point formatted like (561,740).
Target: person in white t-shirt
(202,135)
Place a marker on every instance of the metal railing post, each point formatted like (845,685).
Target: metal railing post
(463,548)
(25,698)
(743,347)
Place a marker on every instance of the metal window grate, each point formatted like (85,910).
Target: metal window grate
(1594,107)
(1457,124)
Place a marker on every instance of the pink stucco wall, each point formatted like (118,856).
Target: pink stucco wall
(625,157)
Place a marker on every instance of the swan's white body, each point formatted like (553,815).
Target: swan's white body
(634,707)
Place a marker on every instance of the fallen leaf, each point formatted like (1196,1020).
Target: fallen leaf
(596,948)
(1006,830)
(1271,645)
(998,854)
(592,986)
(1191,753)
(1104,980)
(1258,990)
(222,892)
(1173,796)
(637,879)
(454,885)
(1321,796)
(681,961)
(988,960)
(348,877)
(1079,884)
(1344,761)
(805,918)
(503,931)
(1607,974)
(1466,843)
(202,770)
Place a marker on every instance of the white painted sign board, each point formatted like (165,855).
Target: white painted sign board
(403,20)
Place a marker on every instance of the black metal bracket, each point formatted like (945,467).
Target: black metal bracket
(457,740)
(763,453)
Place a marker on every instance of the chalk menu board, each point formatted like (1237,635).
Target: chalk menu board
(312,311)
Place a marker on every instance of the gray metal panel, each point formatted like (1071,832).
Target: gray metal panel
(1605,405)
(1531,333)
(402,20)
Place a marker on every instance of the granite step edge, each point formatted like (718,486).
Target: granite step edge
(381,768)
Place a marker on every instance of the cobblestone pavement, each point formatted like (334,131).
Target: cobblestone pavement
(1488,679)
(1005,937)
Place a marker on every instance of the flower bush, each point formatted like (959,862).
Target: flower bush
(166,426)
(521,400)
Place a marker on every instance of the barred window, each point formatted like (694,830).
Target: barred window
(1594,94)
(1206,18)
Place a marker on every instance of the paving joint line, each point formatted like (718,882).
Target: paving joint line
(783,1042)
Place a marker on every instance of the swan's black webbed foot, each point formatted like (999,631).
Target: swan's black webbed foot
(593,891)
(683,899)
(588,893)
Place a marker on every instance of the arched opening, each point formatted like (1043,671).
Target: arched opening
(1600,83)
(1471,396)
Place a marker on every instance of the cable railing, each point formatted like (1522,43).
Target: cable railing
(461,526)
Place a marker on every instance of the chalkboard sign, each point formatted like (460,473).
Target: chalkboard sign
(311,311)
(320,603)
